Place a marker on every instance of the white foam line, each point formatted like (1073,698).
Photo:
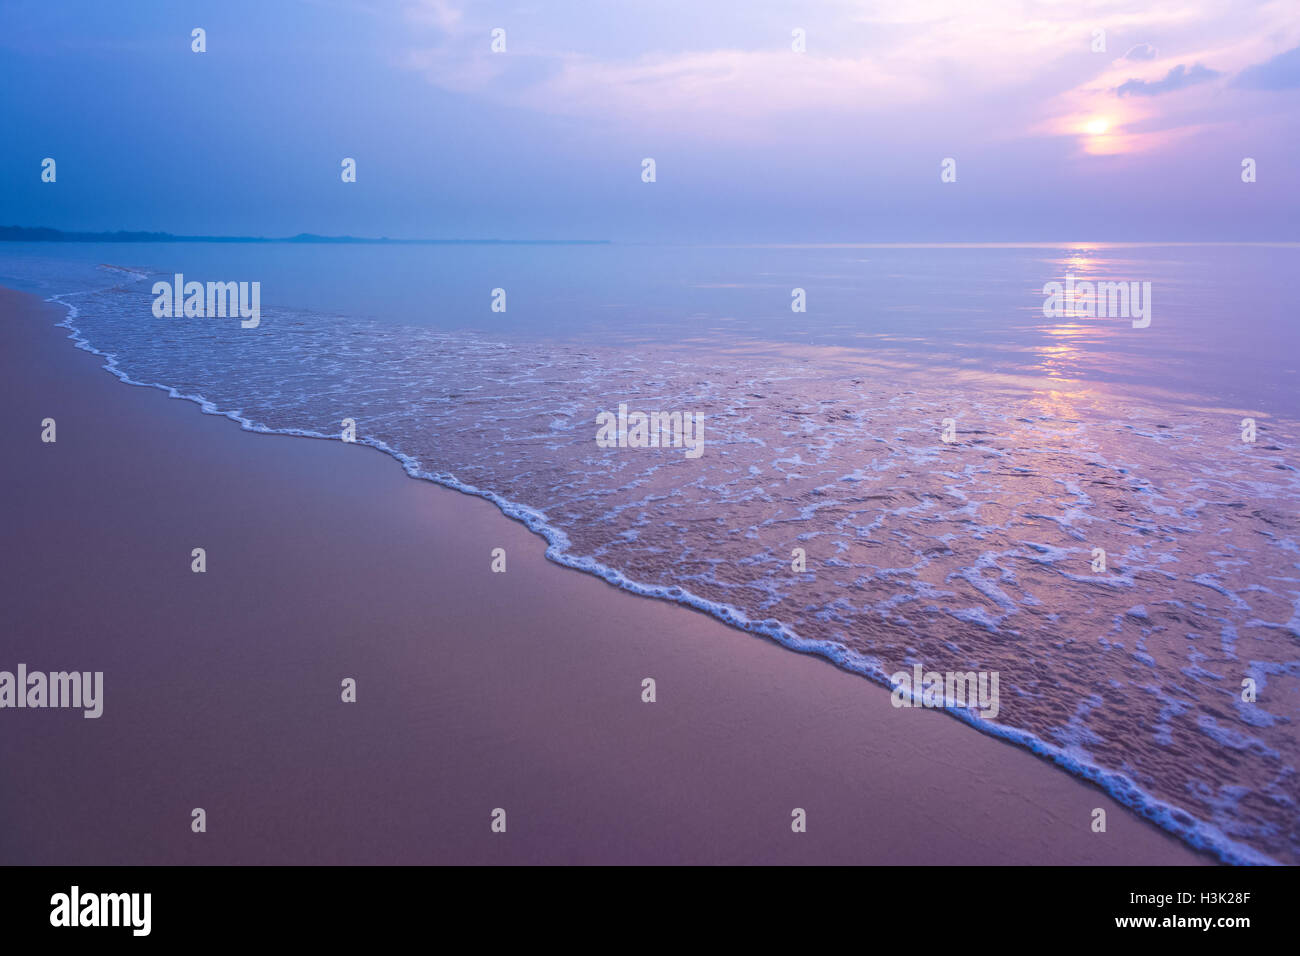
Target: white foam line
(1197,833)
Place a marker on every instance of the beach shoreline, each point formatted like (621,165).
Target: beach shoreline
(475,690)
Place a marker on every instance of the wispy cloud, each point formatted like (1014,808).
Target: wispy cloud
(1280,73)
(1179,78)
(726,70)
(1143,51)
(442,14)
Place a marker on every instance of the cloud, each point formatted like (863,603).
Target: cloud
(933,68)
(441,14)
(1176,79)
(1280,73)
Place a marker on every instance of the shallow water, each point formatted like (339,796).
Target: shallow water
(823,432)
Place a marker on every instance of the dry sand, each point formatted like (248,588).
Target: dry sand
(475,690)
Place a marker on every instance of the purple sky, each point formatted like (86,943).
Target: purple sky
(753,141)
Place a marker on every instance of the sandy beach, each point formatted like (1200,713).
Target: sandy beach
(475,690)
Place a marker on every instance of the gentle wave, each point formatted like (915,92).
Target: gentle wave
(1199,833)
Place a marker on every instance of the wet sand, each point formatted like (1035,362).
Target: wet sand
(475,690)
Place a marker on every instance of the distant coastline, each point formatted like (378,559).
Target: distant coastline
(41,234)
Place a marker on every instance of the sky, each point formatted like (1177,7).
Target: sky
(1058,132)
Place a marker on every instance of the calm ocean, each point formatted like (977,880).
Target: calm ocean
(824,431)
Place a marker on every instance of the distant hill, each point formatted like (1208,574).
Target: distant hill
(40,234)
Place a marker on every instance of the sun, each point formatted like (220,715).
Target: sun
(1097,126)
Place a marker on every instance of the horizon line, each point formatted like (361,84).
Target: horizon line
(47,234)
